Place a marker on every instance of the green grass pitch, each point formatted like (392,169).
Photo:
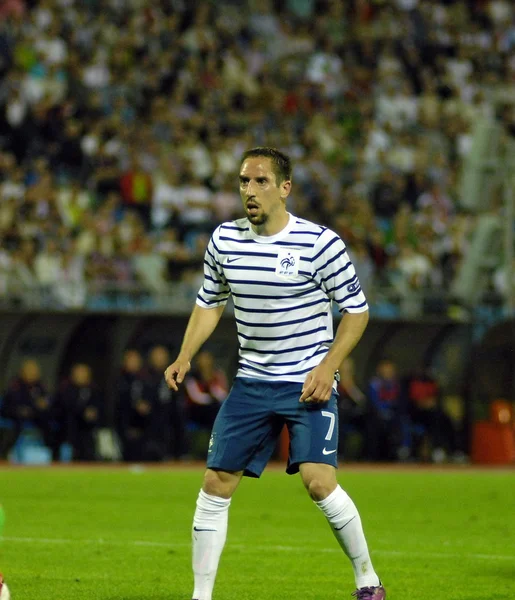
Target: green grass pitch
(115,534)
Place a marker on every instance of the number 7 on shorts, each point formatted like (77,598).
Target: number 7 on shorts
(332,419)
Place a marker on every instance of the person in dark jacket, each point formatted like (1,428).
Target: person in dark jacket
(26,401)
(169,420)
(426,413)
(79,403)
(135,418)
(387,425)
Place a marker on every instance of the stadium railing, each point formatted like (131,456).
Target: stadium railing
(178,298)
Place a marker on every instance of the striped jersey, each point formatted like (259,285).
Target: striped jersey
(282,287)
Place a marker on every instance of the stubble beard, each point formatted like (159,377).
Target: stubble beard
(258,219)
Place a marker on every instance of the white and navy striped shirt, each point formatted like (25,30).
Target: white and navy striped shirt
(282,287)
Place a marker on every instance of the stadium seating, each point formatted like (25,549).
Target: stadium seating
(126,143)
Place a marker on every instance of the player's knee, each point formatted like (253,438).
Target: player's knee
(220,483)
(319,480)
(319,488)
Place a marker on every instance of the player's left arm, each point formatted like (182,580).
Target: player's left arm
(319,382)
(335,274)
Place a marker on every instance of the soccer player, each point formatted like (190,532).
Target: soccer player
(283,273)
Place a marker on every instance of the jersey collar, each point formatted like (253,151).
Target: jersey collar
(270,239)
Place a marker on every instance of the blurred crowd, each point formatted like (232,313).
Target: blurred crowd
(150,421)
(399,417)
(390,418)
(122,123)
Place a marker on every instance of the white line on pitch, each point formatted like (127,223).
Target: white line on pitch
(247,548)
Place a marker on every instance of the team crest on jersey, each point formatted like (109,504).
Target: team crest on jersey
(287,263)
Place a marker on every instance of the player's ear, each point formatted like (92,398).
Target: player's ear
(285,188)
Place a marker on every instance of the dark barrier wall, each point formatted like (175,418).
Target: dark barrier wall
(492,364)
(482,370)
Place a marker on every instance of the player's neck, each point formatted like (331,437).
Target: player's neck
(276,223)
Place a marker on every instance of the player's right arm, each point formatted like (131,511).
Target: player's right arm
(211,300)
(201,325)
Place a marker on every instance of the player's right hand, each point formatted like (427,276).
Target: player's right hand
(176,372)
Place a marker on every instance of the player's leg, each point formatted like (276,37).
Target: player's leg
(313,449)
(241,442)
(343,518)
(210,528)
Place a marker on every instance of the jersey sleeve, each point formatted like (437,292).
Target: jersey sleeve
(215,290)
(336,275)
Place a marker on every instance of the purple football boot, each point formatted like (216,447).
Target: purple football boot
(370,593)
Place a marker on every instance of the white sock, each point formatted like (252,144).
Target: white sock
(343,517)
(209,533)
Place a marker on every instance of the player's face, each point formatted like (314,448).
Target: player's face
(261,195)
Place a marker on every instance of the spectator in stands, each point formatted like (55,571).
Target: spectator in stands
(12,7)
(151,268)
(124,276)
(26,401)
(352,413)
(13,186)
(387,427)
(226,202)
(387,195)
(168,196)
(197,216)
(71,289)
(206,388)
(73,202)
(47,266)
(135,418)
(70,155)
(136,187)
(79,405)
(19,279)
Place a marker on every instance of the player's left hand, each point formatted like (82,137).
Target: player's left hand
(318,386)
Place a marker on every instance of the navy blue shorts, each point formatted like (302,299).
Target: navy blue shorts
(251,419)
